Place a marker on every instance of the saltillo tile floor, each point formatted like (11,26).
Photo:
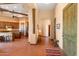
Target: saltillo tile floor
(21,47)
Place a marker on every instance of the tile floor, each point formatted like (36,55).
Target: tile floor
(21,47)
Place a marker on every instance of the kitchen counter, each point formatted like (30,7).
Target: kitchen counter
(5,30)
(10,35)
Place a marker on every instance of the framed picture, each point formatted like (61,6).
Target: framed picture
(57,26)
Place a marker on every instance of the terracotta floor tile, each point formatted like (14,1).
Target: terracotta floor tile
(21,47)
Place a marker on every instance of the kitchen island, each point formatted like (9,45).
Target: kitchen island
(10,35)
(7,36)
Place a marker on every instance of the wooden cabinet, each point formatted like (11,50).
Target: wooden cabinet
(14,25)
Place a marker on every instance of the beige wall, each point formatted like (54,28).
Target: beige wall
(45,18)
(9,19)
(41,17)
(44,14)
(44,26)
(59,20)
(52,24)
(5,14)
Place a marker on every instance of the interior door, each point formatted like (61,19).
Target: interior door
(55,28)
(48,30)
(70,29)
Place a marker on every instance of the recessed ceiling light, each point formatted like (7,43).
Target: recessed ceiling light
(46,3)
(15,7)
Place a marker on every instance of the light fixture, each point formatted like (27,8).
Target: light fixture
(13,14)
(46,3)
(15,7)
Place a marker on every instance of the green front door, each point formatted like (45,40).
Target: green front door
(70,29)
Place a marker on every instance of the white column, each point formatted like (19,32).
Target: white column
(30,25)
(32,37)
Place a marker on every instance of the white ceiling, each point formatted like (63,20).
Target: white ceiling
(46,6)
(20,7)
(15,7)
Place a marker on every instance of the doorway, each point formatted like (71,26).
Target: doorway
(49,30)
(22,29)
(70,29)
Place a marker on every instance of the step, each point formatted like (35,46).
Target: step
(54,52)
